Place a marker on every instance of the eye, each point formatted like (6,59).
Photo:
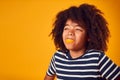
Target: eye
(66,28)
(78,29)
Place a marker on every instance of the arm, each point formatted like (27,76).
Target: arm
(49,77)
(108,69)
(51,72)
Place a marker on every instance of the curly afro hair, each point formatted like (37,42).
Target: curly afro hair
(90,18)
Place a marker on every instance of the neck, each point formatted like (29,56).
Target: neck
(76,53)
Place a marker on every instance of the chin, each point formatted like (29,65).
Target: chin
(70,48)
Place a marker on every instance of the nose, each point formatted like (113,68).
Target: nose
(71,32)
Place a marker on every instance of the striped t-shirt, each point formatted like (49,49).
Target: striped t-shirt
(92,65)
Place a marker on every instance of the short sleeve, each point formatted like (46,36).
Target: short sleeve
(108,69)
(51,69)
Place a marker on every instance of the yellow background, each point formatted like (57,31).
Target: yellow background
(26,49)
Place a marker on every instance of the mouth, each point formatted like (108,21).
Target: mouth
(69,41)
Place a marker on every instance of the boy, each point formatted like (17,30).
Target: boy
(80,35)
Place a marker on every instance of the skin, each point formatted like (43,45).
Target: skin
(74,32)
(49,77)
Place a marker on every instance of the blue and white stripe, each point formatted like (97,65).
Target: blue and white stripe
(93,65)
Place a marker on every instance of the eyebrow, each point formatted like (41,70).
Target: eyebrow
(71,25)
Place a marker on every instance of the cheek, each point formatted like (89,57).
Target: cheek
(80,38)
(63,36)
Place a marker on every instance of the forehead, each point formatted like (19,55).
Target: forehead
(74,23)
(71,22)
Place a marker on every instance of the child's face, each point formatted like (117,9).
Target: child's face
(74,36)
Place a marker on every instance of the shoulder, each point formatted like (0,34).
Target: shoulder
(59,53)
(94,52)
